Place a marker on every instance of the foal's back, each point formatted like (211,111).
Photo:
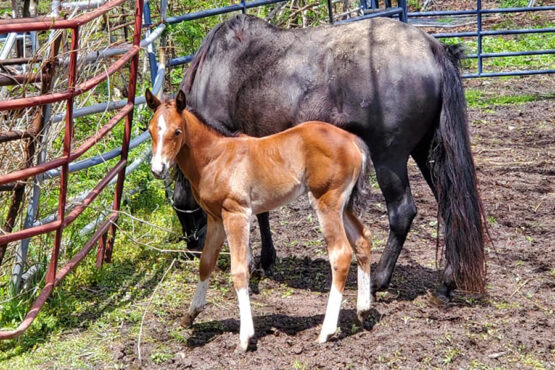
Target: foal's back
(313,156)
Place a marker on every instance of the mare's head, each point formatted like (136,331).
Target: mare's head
(166,128)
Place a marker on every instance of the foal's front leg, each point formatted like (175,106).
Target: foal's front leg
(236,226)
(214,240)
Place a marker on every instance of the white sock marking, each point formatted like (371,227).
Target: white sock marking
(197,304)
(332,314)
(364,296)
(247,327)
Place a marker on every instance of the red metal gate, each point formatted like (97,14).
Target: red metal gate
(106,231)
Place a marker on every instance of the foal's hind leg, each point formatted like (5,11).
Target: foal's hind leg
(329,210)
(359,237)
(214,240)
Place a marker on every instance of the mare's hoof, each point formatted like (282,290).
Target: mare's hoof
(267,262)
(439,300)
(254,265)
(362,316)
(187,320)
(443,294)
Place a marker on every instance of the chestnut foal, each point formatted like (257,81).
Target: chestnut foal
(233,178)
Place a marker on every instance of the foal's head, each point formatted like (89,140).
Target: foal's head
(167,131)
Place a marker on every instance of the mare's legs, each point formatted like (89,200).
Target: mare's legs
(268,253)
(214,240)
(394,183)
(237,229)
(329,209)
(359,237)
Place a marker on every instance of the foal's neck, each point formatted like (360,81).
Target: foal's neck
(200,147)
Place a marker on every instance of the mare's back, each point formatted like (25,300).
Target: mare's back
(260,79)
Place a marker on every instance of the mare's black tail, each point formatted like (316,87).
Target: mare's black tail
(454,176)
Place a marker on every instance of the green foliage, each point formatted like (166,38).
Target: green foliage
(513,3)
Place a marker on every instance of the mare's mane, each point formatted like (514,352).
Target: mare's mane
(236,24)
(215,129)
(198,60)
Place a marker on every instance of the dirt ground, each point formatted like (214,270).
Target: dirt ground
(512,327)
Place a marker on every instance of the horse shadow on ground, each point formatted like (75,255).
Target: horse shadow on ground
(409,280)
(274,324)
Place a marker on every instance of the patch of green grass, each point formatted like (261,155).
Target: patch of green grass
(160,357)
(513,3)
(298,365)
(449,355)
(477,99)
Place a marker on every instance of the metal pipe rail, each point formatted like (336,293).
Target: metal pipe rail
(105,244)
(479,34)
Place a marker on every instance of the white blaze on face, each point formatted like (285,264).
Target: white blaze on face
(157,165)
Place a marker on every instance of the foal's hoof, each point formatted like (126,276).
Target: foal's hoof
(323,338)
(245,344)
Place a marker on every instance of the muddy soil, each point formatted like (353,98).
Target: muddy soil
(513,326)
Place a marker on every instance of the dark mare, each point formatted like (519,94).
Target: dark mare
(391,84)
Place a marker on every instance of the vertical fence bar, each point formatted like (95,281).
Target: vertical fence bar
(133,68)
(479,32)
(330,11)
(244,7)
(150,50)
(68,135)
(403,17)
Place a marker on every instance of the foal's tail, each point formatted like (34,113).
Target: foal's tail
(454,176)
(361,189)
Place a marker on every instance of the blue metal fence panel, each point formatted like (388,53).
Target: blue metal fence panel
(372,10)
(480,33)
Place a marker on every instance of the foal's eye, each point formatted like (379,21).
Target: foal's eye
(177,132)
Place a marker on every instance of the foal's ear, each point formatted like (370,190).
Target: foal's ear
(180,101)
(151,100)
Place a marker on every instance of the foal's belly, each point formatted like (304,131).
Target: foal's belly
(264,199)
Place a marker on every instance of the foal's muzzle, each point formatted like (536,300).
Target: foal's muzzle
(159,170)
